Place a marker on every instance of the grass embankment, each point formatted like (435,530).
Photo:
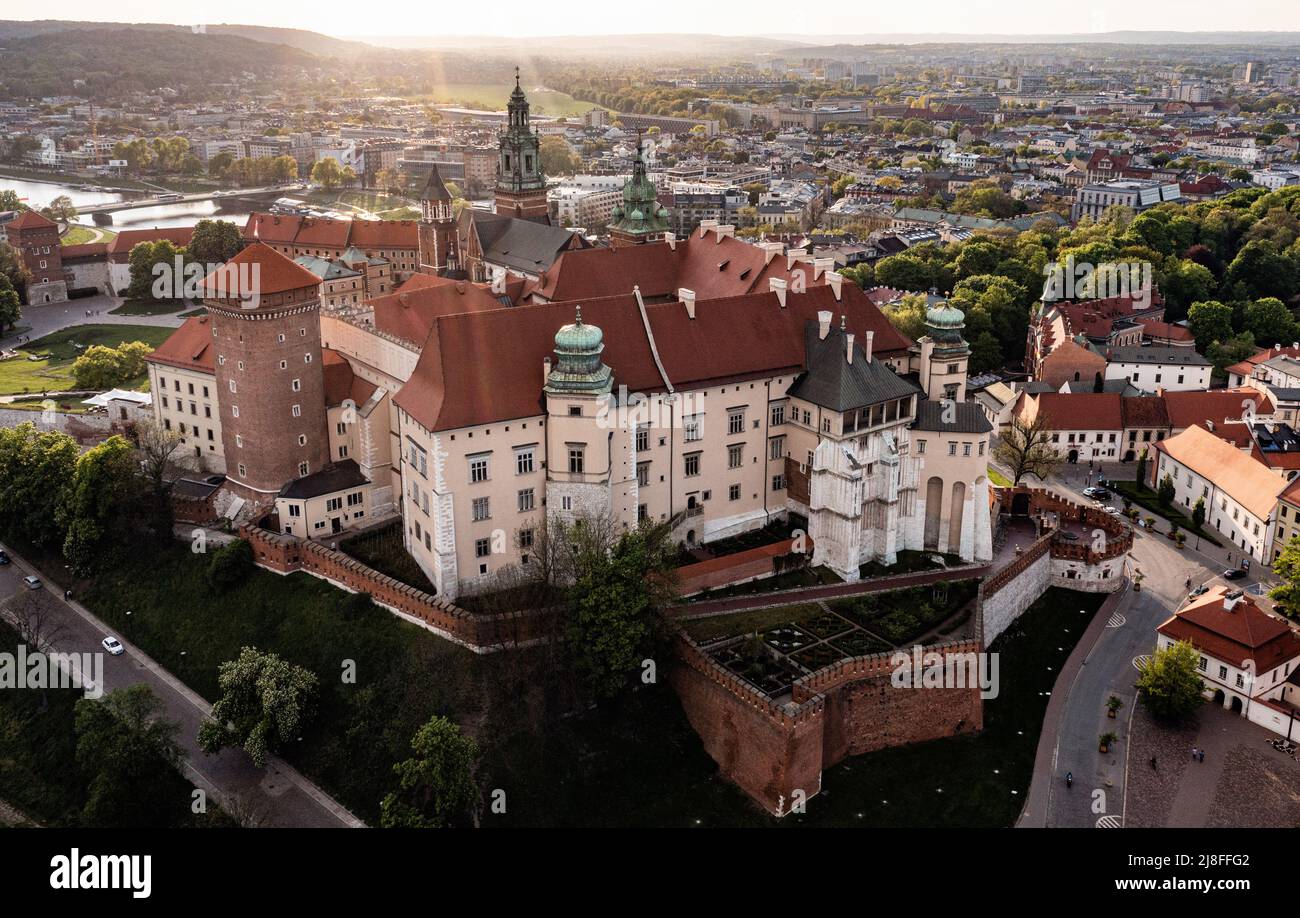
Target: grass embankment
(52,371)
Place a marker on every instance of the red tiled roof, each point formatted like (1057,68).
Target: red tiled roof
(1246,632)
(121,246)
(409,313)
(481,367)
(340,382)
(1166,330)
(1216,406)
(30,219)
(190,346)
(710,266)
(1080,411)
(1245,367)
(328,233)
(1144,411)
(85,250)
(385,234)
(277,273)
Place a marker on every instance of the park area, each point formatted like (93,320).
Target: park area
(45,365)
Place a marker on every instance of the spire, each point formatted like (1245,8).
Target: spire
(434,189)
(578,319)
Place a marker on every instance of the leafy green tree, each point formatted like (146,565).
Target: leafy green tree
(904,272)
(1210,322)
(1140,475)
(265,702)
(1286,595)
(1169,682)
(436,785)
(908,315)
(9,200)
(103,500)
(36,472)
(1165,491)
(1271,322)
(1198,513)
(60,210)
(613,621)
(1260,270)
(102,367)
(125,752)
(214,242)
(230,565)
(11,309)
(330,175)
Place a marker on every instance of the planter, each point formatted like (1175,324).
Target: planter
(1111,713)
(1103,748)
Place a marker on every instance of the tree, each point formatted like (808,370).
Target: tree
(613,622)
(35,618)
(1198,513)
(1210,321)
(1286,595)
(265,702)
(230,565)
(329,174)
(36,471)
(557,158)
(1170,683)
(1270,322)
(1141,473)
(904,272)
(436,785)
(157,445)
(102,367)
(1165,491)
(1026,449)
(11,309)
(100,511)
(60,210)
(214,242)
(125,752)
(908,315)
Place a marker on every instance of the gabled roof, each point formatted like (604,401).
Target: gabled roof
(525,245)
(333,478)
(966,417)
(340,382)
(1233,471)
(30,219)
(832,382)
(409,312)
(122,244)
(189,347)
(1233,631)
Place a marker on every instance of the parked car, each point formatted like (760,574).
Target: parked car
(1096,493)
(1197,592)
(4,557)
(1233,573)
(1114,511)
(113,645)
(32,583)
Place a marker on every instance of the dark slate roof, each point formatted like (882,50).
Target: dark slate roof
(968,418)
(523,244)
(337,477)
(188,487)
(835,384)
(1122,386)
(434,189)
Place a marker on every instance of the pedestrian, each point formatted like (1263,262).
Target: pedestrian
(1153,763)
(1200,756)
(1194,751)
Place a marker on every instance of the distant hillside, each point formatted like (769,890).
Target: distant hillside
(590,45)
(312,42)
(117,60)
(1245,39)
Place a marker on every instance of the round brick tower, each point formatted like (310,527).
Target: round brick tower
(265,315)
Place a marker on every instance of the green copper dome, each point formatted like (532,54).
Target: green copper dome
(578,347)
(640,214)
(945,316)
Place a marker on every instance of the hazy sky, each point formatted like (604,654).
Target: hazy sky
(780,17)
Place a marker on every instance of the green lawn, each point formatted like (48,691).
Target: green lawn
(493,97)
(53,371)
(382,549)
(148,308)
(1002,481)
(80,235)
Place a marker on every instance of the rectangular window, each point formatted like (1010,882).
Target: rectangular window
(733,492)
(525,538)
(482,548)
(642,438)
(778,415)
(478,469)
(524,461)
(525,500)
(479,508)
(577,462)
(736,421)
(778,482)
(295,510)
(334,503)
(776,448)
(735,456)
(642,474)
(692,427)
(691,465)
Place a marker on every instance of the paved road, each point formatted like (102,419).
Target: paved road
(45,319)
(1108,669)
(277,796)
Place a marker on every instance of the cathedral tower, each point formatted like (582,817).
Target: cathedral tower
(521,186)
(640,218)
(439,250)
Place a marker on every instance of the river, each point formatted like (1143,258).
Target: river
(39,194)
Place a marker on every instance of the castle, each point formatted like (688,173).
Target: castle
(703,382)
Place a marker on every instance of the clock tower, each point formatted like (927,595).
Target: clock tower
(521,186)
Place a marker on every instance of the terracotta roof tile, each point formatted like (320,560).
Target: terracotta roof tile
(190,346)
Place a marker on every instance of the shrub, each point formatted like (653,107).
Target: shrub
(229,566)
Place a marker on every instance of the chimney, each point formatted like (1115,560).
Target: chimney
(1230,600)
(706,225)
(777,285)
(771,250)
(823,324)
(546,370)
(866,344)
(687,297)
(671,239)
(849,338)
(835,280)
(724,230)
(822,266)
